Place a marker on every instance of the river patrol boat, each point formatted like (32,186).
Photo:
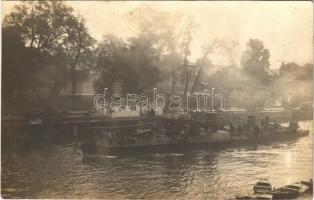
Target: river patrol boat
(160,131)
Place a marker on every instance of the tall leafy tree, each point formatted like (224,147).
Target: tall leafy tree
(130,63)
(77,47)
(17,68)
(186,51)
(56,40)
(161,33)
(112,64)
(255,61)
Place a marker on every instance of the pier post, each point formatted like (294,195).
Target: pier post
(75,130)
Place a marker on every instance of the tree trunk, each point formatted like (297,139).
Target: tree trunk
(73,79)
(174,80)
(185,65)
(196,79)
(73,67)
(199,71)
(186,78)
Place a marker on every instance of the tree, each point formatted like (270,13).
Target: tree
(204,61)
(16,67)
(112,64)
(77,46)
(186,44)
(152,54)
(132,63)
(294,83)
(255,61)
(144,60)
(163,33)
(303,73)
(51,28)
(55,40)
(186,47)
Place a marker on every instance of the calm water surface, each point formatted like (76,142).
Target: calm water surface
(61,171)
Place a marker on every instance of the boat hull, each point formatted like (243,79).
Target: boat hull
(182,144)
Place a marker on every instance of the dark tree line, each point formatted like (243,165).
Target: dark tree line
(45,43)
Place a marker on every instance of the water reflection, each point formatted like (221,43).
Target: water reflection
(42,170)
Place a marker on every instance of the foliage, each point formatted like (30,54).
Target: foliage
(16,65)
(304,73)
(50,39)
(294,84)
(44,44)
(133,64)
(143,60)
(255,61)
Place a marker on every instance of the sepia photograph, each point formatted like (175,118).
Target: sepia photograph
(157,100)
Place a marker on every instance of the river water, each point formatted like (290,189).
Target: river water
(46,170)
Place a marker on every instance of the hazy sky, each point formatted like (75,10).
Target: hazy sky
(286,28)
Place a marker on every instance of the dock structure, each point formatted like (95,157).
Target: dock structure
(73,122)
